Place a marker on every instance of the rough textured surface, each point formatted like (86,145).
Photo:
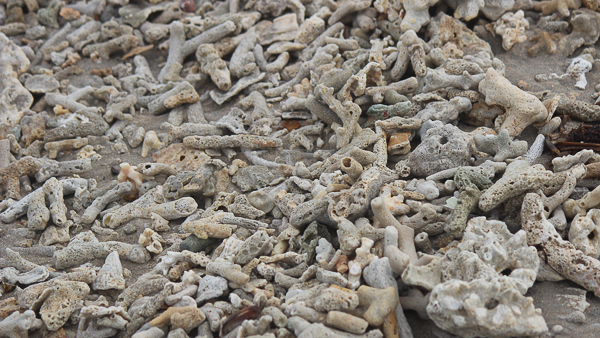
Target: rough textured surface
(14,97)
(522,109)
(63,298)
(110,275)
(338,92)
(484,308)
(441,148)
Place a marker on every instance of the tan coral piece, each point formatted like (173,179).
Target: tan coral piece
(561,255)
(137,50)
(129,173)
(379,303)
(582,205)
(561,6)
(9,176)
(181,157)
(69,13)
(512,27)
(54,148)
(180,317)
(212,65)
(151,142)
(584,233)
(592,4)
(61,302)
(522,109)
(151,240)
(399,144)
(14,98)
(545,43)
(185,96)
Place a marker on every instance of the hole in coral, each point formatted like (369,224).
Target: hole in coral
(579,261)
(506,272)
(443,140)
(222,208)
(491,304)
(592,236)
(182,157)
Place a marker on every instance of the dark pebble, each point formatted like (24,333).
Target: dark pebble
(195,244)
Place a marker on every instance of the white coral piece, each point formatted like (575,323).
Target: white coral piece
(511,26)
(483,308)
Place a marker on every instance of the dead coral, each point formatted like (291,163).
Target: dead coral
(560,6)
(544,43)
(9,176)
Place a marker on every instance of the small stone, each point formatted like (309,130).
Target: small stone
(253,177)
(69,14)
(379,274)
(195,244)
(129,229)
(577,317)
(40,84)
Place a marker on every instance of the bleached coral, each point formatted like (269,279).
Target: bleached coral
(512,27)
(484,308)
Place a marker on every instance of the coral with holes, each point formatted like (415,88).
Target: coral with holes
(512,27)
(560,255)
(442,148)
(482,308)
(584,233)
(496,247)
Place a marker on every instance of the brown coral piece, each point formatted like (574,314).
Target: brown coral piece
(8,306)
(290,125)
(186,317)
(545,43)
(101,72)
(69,14)
(592,4)
(9,176)
(561,6)
(137,50)
(399,144)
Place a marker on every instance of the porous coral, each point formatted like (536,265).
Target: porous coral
(522,109)
(462,308)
